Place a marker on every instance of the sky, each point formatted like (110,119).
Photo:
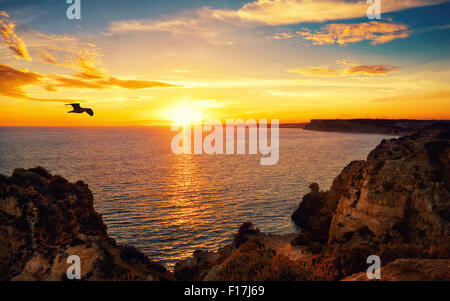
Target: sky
(153,62)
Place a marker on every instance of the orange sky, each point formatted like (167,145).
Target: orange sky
(222,63)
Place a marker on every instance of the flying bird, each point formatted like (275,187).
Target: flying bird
(77,109)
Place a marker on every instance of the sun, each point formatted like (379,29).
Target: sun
(184,114)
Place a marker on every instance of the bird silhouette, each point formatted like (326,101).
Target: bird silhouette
(77,109)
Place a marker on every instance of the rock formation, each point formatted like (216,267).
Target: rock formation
(44,219)
(313,216)
(401,194)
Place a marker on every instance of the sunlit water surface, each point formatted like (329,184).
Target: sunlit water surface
(170,205)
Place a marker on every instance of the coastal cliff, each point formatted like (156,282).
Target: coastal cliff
(44,219)
(401,193)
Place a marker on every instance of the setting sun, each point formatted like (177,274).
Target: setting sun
(184,114)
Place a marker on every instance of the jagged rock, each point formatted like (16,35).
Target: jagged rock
(44,219)
(411,270)
(313,216)
(401,194)
(245,231)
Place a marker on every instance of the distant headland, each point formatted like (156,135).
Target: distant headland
(369,126)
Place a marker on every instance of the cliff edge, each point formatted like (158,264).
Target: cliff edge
(400,194)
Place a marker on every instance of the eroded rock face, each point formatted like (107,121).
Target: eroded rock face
(400,194)
(44,219)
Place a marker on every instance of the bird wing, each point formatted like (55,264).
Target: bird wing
(74,105)
(90,112)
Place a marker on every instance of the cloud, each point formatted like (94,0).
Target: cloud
(199,26)
(80,81)
(70,53)
(285,12)
(85,59)
(315,71)
(345,68)
(10,38)
(371,69)
(343,34)
(208,25)
(202,23)
(15,80)
(59,50)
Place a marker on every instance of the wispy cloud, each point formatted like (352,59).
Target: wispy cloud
(371,69)
(59,81)
(11,39)
(316,71)
(345,68)
(284,12)
(198,25)
(343,34)
(15,80)
(68,52)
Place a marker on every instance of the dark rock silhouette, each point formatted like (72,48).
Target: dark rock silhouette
(313,216)
(245,230)
(375,126)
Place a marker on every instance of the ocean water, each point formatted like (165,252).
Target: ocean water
(170,205)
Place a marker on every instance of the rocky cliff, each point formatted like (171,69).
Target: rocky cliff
(44,219)
(401,194)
